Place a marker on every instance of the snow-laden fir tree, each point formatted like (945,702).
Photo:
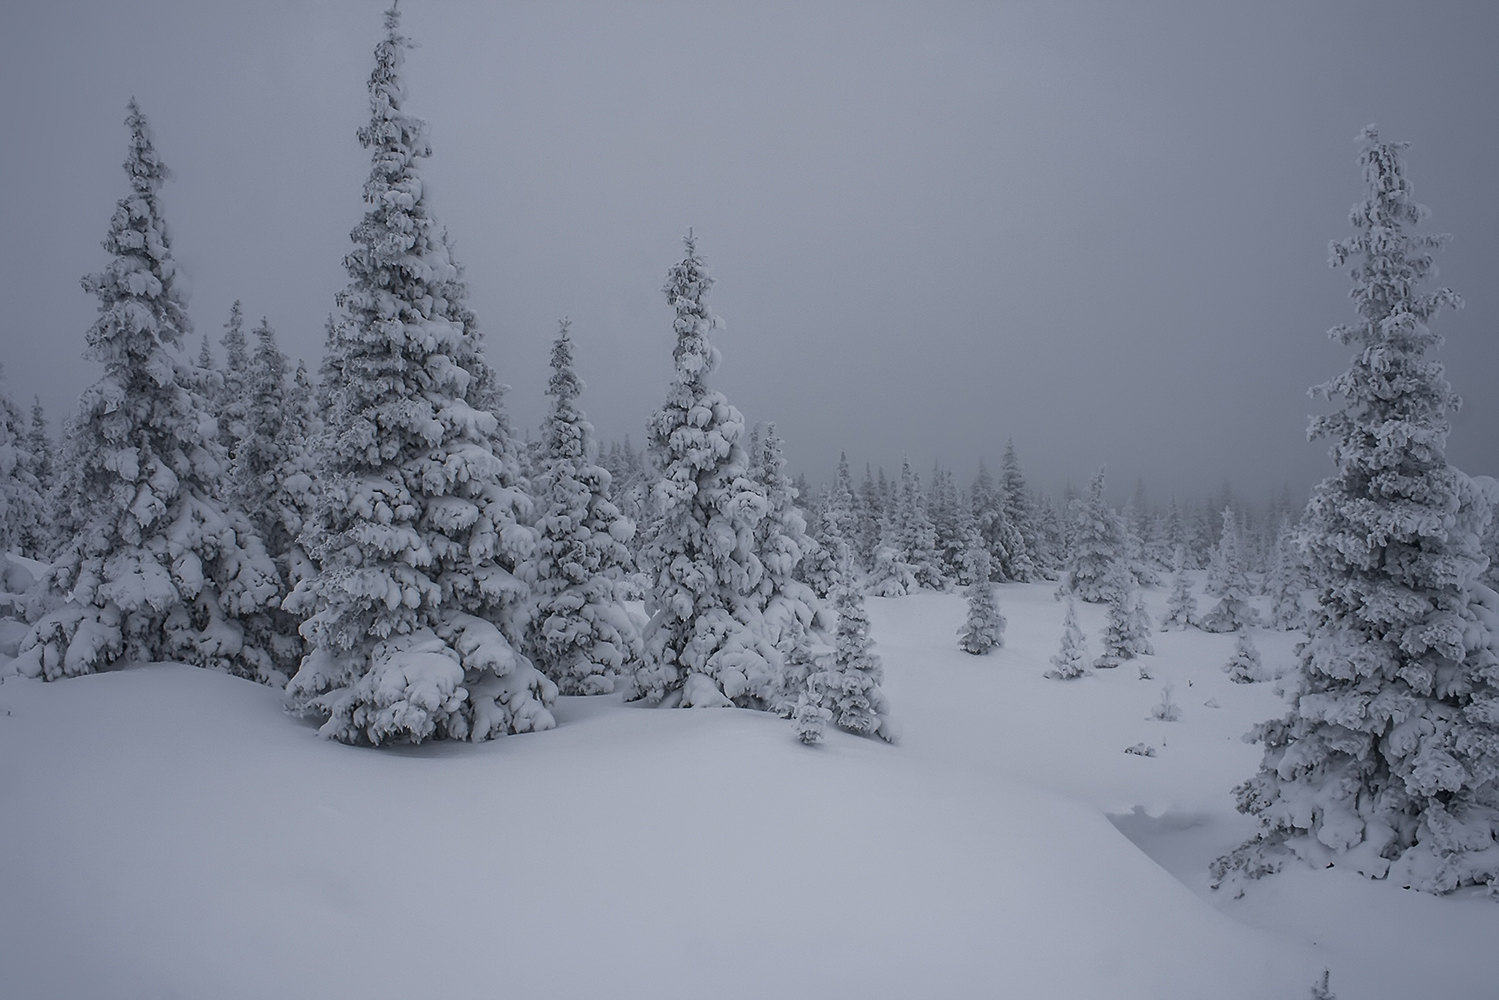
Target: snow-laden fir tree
(157,567)
(23,515)
(1490,544)
(1126,634)
(1175,536)
(782,542)
(889,574)
(1028,555)
(414,616)
(984,628)
(704,644)
(1097,547)
(913,534)
(810,717)
(1134,533)
(1243,667)
(952,522)
(231,402)
(837,523)
(1228,581)
(1284,583)
(272,476)
(1072,659)
(1008,558)
(43,469)
(1051,538)
(580,634)
(869,518)
(851,685)
(1389,756)
(1181,604)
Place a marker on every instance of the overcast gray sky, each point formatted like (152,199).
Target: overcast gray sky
(1098,228)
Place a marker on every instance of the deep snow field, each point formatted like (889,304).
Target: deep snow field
(167,832)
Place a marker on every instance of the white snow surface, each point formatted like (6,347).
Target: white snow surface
(168,831)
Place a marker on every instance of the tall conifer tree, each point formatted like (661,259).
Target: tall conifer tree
(580,634)
(1390,753)
(413,617)
(157,568)
(704,644)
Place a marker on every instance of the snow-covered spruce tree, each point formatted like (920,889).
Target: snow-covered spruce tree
(1228,582)
(870,518)
(231,404)
(1490,544)
(1244,666)
(272,480)
(1029,556)
(951,520)
(836,524)
(1284,583)
(157,568)
(1134,528)
(1390,752)
(1008,558)
(704,644)
(1127,632)
(914,534)
(984,628)
(413,617)
(22,510)
(890,575)
(1072,659)
(1051,539)
(851,685)
(782,542)
(1181,605)
(1175,536)
(580,634)
(1097,547)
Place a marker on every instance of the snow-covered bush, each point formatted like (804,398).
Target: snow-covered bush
(984,628)
(1389,756)
(415,613)
(156,566)
(1072,659)
(580,634)
(1166,710)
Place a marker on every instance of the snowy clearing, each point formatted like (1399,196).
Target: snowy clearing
(169,831)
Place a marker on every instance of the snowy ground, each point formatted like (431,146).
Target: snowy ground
(168,832)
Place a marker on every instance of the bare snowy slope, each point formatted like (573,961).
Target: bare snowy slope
(169,832)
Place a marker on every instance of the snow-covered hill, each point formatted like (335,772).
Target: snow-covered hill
(167,831)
